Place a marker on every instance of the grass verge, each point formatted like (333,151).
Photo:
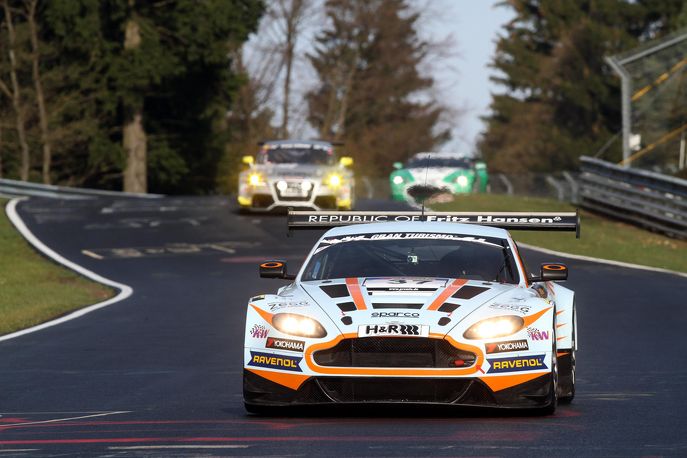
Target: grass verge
(600,237)
(34,289)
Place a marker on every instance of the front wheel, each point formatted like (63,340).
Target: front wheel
(567,370)
(553,389)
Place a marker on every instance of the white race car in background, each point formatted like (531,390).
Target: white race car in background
(296,173)
(414,308)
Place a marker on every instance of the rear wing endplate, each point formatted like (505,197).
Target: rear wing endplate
(522,221)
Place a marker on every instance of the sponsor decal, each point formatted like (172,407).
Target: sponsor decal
(395,315)
(516,364)
(272,361)
(510,345)
(536,334)
(258,331)
(512,307)
(404,283)
(393,330)
(483,219)
(285,344)
(280,305)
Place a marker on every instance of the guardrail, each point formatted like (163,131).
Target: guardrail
(651,200)
(15,188)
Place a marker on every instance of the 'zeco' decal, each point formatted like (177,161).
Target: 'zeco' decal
(272,361)
(516,364)
(393,330)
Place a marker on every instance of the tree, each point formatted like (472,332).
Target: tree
(371,94)
(560,98)
(15,93)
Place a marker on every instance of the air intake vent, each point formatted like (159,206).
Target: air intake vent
(468,292)
(448,308)
(334,291)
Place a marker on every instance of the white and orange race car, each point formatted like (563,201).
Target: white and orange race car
(410,307)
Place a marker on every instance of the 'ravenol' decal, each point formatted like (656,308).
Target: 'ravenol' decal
(516,364)
(272,361)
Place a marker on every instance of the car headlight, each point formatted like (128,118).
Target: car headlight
(398,179)
(255,179)
(491,328)
(462,180)
(298,325)
(334,180)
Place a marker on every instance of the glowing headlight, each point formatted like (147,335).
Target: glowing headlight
(282,185)
(306,186)
(255,179)
(334,180)
(491,328)
(298,325)
(462,180)
(398,179)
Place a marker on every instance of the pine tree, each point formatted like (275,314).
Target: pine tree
(371,93)
(561,99)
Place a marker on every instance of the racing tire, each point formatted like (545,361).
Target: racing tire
(550,408)
(566,387)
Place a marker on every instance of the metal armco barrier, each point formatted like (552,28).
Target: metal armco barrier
(15,188)
(651,200)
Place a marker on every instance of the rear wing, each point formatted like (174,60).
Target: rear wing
(522,221)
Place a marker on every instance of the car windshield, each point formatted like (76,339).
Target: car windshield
(313,156)
(413,254)
(454,163)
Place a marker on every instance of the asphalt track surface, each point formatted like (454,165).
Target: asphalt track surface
(159,374)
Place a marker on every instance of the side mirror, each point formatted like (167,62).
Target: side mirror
(275,269)
(552,272)
(398,165)
(248,160)
(346,161)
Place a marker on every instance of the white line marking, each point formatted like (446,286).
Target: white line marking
(91,254)
(601,261)
(163,447)
(57,420)
(124,290)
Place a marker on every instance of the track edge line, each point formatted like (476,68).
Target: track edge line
(601,261)
(124,290)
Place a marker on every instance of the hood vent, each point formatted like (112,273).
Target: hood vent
(335,291)
(468,292)
(396,306)
(448,308)
(347,306)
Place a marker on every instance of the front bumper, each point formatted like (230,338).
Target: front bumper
(464,391)
(267,198)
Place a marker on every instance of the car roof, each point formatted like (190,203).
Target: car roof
(419,226)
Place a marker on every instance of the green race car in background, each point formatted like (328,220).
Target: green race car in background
(437,173)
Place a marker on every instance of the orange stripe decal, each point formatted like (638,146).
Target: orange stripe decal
(559,312)
(534,317)
(267,316)
(445,294)
(354,291)
(561,338)
(293,381)
(506,381)
(561,325)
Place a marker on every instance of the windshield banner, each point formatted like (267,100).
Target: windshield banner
(540,221)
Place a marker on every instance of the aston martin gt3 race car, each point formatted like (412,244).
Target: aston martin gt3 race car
(436,173)
(410,307)
(296,173)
